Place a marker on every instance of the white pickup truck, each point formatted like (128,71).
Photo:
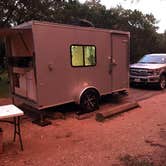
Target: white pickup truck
(149,69)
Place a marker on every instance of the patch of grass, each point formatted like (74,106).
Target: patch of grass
(129,160)
(4,85)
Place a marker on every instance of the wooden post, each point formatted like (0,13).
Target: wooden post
(101,116)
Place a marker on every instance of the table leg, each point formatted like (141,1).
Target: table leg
(17,131)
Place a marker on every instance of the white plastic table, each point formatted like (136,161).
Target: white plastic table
(11,111)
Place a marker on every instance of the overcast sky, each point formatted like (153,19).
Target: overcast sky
(156,7)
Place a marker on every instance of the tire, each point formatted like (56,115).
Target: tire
(89,101)
(131,84)
(162,83)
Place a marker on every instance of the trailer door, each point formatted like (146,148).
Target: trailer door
(119,61)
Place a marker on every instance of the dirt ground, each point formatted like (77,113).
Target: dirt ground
(140,133)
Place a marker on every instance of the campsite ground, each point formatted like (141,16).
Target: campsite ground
(135,137)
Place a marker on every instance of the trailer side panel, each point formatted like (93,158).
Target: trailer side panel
(58,81)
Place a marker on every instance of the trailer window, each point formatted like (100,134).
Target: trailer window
(83,55)
(89,52)
(77,55)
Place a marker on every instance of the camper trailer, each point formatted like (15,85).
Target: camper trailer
(52,64)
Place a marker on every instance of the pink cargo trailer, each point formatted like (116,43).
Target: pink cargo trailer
(52,64)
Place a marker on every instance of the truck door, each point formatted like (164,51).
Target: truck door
(119,61)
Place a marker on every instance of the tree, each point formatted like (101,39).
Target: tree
(14,12)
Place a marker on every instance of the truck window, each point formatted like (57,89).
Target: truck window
(83,55)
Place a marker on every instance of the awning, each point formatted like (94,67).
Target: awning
(5,32)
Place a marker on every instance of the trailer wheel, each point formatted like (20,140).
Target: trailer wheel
(89,101)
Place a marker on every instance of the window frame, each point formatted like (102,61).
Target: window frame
(87,45)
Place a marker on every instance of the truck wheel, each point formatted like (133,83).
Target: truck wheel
(89,101)
(162,82)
